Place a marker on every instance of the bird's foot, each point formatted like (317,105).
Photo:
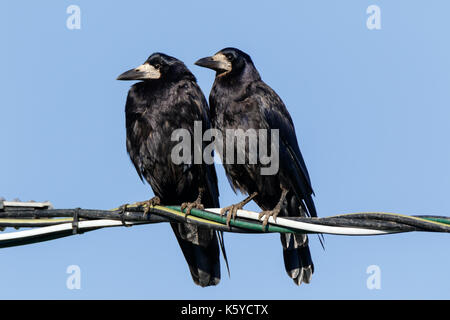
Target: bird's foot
(275,211)
(269,213)
(197,204)
(232,210)
(148,204)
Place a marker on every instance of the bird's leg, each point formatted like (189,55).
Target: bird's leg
(148,204)
(232,210)
(196,204)
(275,211)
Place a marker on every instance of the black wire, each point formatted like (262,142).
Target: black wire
(405,221)
(376,221)
(75,221)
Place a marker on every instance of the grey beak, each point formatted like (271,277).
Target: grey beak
(209,63)
(143,72)
(132,74)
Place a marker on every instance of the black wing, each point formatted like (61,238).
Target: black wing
(195,96)
(138,130)
(198,256)
(275,114)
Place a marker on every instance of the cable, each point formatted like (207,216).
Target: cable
(11,239)
(308,227)
(52,224)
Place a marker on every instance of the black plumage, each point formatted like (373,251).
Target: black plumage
(239,99)
(168,98)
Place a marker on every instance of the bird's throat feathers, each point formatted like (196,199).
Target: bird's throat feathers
(149,94)
(238,78)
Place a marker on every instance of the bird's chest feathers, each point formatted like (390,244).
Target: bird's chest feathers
(239,115)
(235,108)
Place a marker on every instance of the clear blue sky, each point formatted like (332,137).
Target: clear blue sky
(371,109)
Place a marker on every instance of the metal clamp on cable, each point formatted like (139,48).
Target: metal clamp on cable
(24,204)
(75,221)
(122,212)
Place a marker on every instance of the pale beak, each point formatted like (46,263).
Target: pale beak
(143,72)
(217,62)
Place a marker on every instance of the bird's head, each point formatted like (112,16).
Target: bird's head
(228,62)
(160,67)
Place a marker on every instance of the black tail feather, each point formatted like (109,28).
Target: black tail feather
(297,257)
(201,251)
(224,252)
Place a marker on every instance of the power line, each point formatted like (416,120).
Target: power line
(48,223)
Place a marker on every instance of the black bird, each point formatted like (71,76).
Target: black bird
(239,99)
(168,98)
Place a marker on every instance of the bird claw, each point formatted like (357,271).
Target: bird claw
(267,214)
(148,204)
(232,212)
(191,205)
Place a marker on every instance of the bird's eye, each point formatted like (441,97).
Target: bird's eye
(230,57)
(157,66)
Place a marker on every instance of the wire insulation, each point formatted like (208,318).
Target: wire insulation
(52,224)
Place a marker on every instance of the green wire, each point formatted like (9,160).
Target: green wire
(237,223)
(441,220)
(257,227)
